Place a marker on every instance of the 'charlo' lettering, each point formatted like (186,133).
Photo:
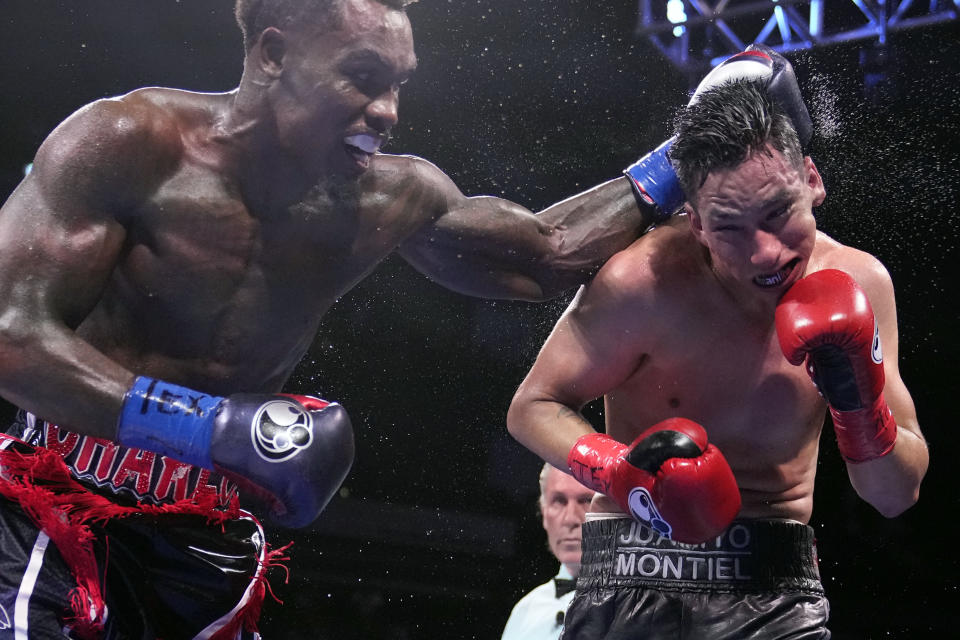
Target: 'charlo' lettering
(139,473)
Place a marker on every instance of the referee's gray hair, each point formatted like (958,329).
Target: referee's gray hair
(543,482)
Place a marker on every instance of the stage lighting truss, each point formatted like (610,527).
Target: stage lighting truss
(696,34)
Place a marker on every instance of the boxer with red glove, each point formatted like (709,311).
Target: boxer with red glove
(826,320)
(670,479)
(654,181)
(293,452)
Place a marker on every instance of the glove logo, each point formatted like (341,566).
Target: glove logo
(876,354)
(280,430)
(643,509)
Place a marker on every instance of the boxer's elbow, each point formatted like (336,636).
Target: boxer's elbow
(556,283)
(891,508)
(17,339)
(890,499)
(516,415)
(531,418)
(522,415)
(17,359)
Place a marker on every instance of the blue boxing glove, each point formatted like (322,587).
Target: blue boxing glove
(293,452)
(655,183)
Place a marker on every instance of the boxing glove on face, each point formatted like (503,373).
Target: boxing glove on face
(825,320)
(760,62)
(670,479)
(653,179)
(292,452)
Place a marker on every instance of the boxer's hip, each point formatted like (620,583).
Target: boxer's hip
(125,475)
(749,556)
(758,578)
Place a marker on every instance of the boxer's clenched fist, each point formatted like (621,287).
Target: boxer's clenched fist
(670,479)
(291,451)
(826,321)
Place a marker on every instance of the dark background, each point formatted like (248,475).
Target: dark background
(435,533)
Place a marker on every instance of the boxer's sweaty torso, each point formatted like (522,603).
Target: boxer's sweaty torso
(715,364)
(220,297)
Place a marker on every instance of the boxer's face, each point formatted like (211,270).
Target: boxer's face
(564,506)
(756,220)
(337,97)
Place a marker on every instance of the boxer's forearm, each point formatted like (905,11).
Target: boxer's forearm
(891,484)
(57,376)
(491,247)
(589,228)
(545,427)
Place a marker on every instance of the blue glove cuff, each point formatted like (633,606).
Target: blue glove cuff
(168,419)
(655,182)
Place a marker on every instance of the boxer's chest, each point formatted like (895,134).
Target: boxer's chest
(203,279)
(736,383)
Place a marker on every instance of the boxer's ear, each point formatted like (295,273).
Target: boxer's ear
(272,49)
(814,181)
(696,222)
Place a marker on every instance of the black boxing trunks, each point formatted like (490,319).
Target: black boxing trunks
(97,544)
(124,475)
(759,579)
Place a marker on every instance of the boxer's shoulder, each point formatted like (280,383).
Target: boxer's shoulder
(863,267)
(657,263)
(396,175)
(388,168)
(109,146)
(148,115)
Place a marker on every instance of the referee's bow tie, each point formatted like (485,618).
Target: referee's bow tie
(564,585)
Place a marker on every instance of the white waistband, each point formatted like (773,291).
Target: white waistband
(608,515)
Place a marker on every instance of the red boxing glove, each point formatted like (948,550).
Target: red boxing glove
(827,320)
(669,479)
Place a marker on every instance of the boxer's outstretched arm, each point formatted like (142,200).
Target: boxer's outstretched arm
(490,247)
(59,241)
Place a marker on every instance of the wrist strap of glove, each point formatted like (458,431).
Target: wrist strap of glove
(655,183)
(168,419)
(865,434)
(592,457)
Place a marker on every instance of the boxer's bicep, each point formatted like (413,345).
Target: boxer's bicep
(594,347)
(482,246)
(873,277)
(895,391)
(584,357)
(58,240)
(880,481)
(62,233)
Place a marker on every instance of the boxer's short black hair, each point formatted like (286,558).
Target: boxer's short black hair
(253,16)
(725,126)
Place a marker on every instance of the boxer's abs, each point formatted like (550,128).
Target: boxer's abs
(212,297)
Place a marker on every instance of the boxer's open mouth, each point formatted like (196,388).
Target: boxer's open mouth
(778,278)
(362,146)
